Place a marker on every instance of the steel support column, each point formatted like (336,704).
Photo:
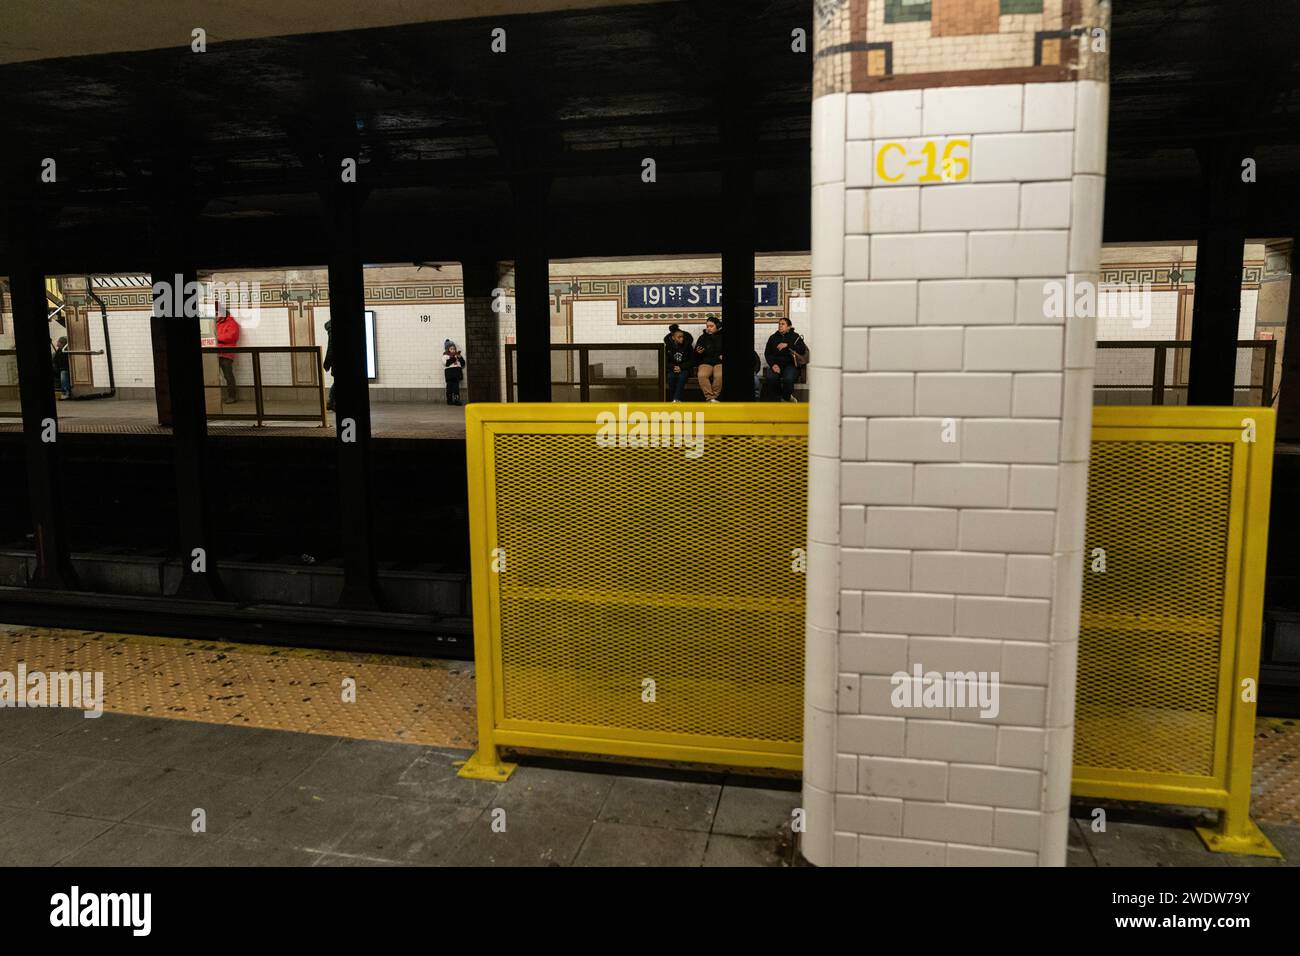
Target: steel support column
(351,396)
(175,309)
(41,438)
(1220,247)
(532,290)
(738,274)
(480,277)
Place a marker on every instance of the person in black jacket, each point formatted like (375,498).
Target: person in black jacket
(329,363)
(61,371)
(785,354)
(678,360)
(453,369)
(708,359)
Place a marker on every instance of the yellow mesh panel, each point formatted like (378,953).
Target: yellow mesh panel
(627,564)
(1151,632)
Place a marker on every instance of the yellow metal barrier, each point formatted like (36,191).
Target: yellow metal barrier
(1170,629)
(637,583)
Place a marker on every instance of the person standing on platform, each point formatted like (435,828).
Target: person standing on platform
(228,336)
(708,359)
(454,370)
(329,363)
(61,371)
(678,360)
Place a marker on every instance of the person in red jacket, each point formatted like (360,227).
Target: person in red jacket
(228,334)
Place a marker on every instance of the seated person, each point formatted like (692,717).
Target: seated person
(678,360)
(786,353)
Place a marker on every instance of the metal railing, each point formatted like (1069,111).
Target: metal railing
(580,379)
(1167,383)
(268,401)
(1169,631)
(615,643)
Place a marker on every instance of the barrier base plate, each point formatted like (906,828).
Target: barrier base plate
(476,768)
(1251,843)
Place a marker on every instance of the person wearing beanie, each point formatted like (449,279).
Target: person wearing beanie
(453,364)
(785,354)
(678,359)
(708,358)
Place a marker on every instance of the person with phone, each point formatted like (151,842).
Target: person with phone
(708,359)
(786,354)
(678,359)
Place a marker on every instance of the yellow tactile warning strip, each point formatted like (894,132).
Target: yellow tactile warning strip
(412,700)
(1275,795)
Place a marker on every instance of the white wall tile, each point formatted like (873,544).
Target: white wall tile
(857,258)
(1045,205)
(1029,575)
(964,207)
(828,119)
(1021,157)
(1014,348)
(828,230)
(889,527)
(894,210)
(871,483)
(911,612)
(878,393)
(1037,395)
(1013,532)
(896,114)
(958,572)
(858,169)
(961,486)
(859,116)
(1049,106)
(1020,253)
(966,302)
(963,394)
(918,349)
(937,255)
(1029,441)
(1092,119)
(880,303)
(972,109)
(910,439)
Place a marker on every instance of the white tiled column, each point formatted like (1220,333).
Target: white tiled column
(950,427)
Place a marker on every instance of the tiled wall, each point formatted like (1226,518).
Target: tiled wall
(597,322)
(8,366)
(410,328)
(949,441)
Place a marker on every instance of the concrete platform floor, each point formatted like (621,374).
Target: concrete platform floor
(122,791)
(387,420)
(375,782)
(125,791)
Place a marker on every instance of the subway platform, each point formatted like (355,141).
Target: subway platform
(140,417)
(214,755)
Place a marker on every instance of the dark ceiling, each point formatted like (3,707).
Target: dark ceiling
(442,126)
